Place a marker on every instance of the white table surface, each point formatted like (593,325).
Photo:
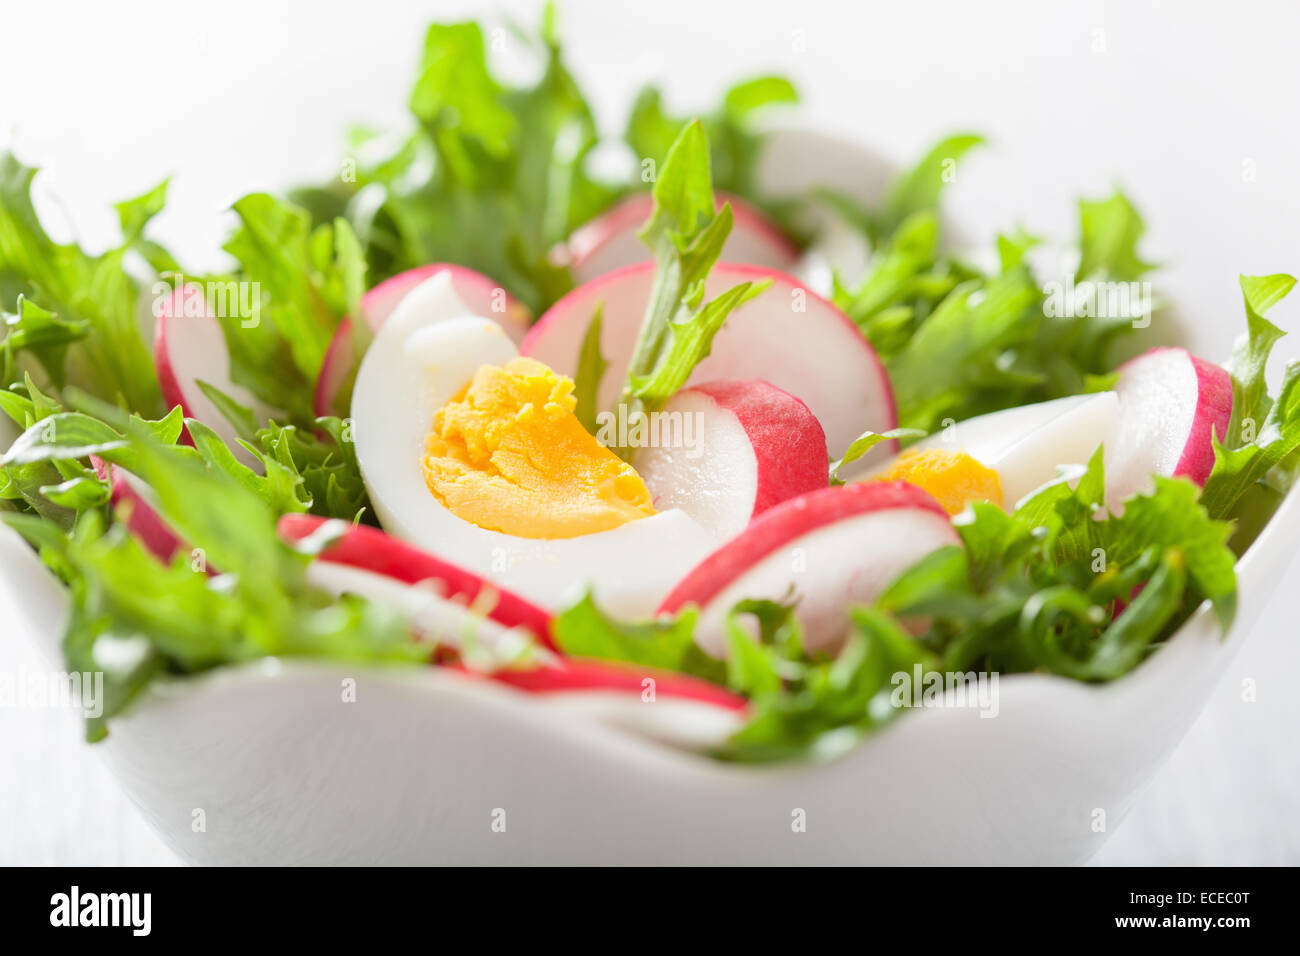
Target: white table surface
(1174,100)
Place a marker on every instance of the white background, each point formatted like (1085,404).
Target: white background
(1191,106)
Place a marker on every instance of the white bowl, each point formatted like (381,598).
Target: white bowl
(267,764)
(424,763)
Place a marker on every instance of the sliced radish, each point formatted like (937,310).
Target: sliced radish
(1171,403)
(574,674)
(670,708)
(825,550)
(788,335)
(133,503)
(378,566)
(610,241)
(445,605)
(189,347)
(795,161)
(745,447)
(838,250)
(371,550)
(483,295)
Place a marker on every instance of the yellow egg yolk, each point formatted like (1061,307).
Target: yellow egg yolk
(508,454)
(954,478)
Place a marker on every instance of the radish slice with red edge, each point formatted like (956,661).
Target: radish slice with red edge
(610,241)
(132,503)
(189,347)
(369,549)
(742,447)
(788,336)
(1170,404)
(826,550)
(485,296)
(674,709)
(583,674)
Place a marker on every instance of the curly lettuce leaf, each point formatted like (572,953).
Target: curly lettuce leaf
(733,137)
(301,281)
(686,236)
(79,316)
(1257,458)
(178,618)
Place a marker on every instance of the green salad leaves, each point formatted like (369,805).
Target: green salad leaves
(992,332)
(1051,587)
(686,236)
(493,176)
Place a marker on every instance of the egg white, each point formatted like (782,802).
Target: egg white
(1028,446)
(425,353)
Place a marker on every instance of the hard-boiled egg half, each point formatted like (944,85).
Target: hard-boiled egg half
(475,454)
(1004,456)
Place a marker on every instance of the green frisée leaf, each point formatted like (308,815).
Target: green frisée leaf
(1039,587)
(748,96)
(493,178)
(919,189)
(1003,333)
(294,285)
(864,443)
(457,99)
(63,436)
(734,140)
(312,469)
(42,333)
(280,487)
(240,416)
(86,330)
(903,271)
(686,236)
(803,706)
(1264,431)
(966,337)
(179,619)
(1237,470)
(323,462)
(1250,398)
(590,370)
(583,630)
(1109,232)
(689,338)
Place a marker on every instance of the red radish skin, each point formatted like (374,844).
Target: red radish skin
(795,455)
(575,674)
(1213,413)
(789,335)
(168,382)
(1172,404)
(779,526)
(824,551)
(142,521)
(189,345)
(369,549)
(741,421)
(771,246)
(478,291)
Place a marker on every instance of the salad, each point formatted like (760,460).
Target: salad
(471,405)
